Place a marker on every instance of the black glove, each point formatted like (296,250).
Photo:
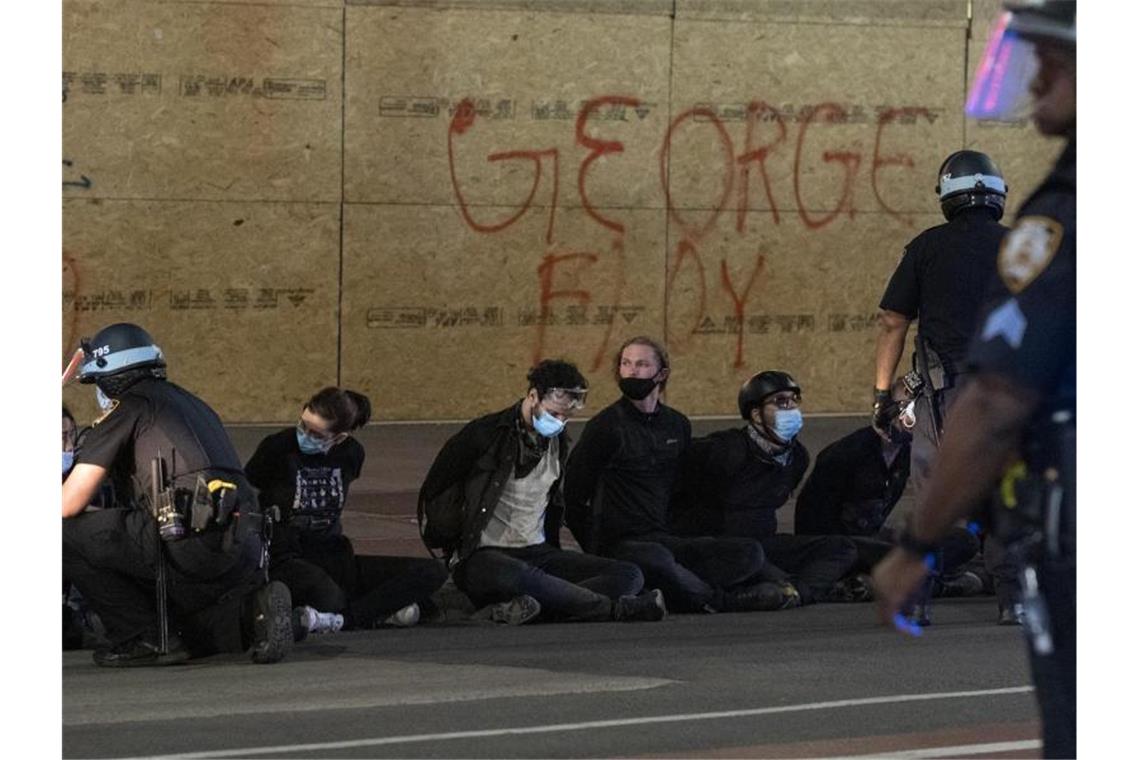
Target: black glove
(882,412)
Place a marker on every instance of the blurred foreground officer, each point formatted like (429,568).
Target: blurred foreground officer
(1023,402)
(192,538)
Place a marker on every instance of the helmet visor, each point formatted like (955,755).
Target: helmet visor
(71,371)
(1000,89)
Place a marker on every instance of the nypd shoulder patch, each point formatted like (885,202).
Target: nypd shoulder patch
(1006,322)
(1027,250)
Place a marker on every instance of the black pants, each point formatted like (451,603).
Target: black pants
(958,548)
(366,589)
(568,585)
(692,572)
(811,563)
(1055,675)
(111,556)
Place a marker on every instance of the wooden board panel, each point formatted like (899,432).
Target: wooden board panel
(240,296)
(201,100)
(782,299)
(443,322)
(526,76)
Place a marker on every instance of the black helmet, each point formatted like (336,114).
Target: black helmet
(117,348)
(1054,20)
(969,179)
(762,385)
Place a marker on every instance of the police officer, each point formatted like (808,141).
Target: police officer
(940,280)
(185,556)
(1022,404)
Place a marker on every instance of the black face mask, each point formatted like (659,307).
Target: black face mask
(636,388)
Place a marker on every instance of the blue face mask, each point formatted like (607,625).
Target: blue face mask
(547,425)
(68,461)
(310,445)
(106,403)
(788,424)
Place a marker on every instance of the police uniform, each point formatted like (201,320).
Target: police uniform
(1027,333)
(112,555)
(942,280)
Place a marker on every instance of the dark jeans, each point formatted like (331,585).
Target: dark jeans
(111,556)
(366,589)
(958,548)
(1003,570)
(692,572)
(1055,675)
(812,563)
(568,585)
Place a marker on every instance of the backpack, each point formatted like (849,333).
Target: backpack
(440,519)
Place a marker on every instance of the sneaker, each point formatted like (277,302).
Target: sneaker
(1012,614)
(521,609)
(138,653)
(307,620)
(857,588)
(763,596)
(405,617)
(963,584)
(648,605)
(272,623)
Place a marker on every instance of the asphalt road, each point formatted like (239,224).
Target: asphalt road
(823,681)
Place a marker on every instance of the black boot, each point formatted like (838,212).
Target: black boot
(762,596)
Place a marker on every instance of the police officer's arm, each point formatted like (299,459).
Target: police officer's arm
(81,487)
(983,431)
(889,346)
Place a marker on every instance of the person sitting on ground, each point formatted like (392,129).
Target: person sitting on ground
(619,481)
(305,470)
(734,480)
(856,483)
(492,501)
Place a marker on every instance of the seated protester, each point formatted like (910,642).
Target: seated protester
(855,485)
(500,477)
(619,480)
(306,470)
(733,481)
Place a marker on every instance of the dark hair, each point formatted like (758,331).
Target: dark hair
(346,410)
(643,340)
(555,373)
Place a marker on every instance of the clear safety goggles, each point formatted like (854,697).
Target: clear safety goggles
(1000,89)
(568,398)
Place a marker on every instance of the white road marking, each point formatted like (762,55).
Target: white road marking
(594,724)
(958,751)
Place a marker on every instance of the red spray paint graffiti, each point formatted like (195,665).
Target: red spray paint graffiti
(736,172)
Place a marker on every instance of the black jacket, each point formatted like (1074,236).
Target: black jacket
(730,486)
(852,490)
(622,472)
(463,486)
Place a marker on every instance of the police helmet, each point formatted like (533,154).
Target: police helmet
(1053,20)
(117,348)
(969,179)
(762,385)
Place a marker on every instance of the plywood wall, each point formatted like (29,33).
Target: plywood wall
(418,199)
